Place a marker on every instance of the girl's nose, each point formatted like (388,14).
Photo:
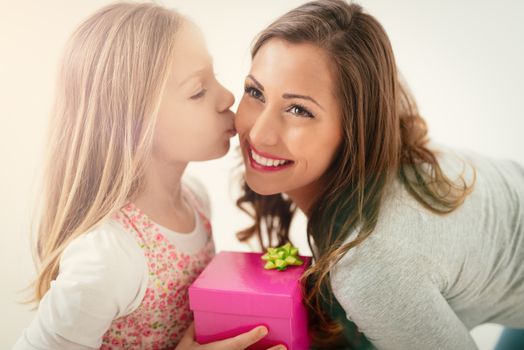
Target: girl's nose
(227,99)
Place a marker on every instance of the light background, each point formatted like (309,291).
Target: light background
(462,60)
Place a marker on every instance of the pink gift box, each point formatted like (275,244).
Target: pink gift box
(235,293)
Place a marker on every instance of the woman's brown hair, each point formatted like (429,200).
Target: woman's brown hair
(384,137)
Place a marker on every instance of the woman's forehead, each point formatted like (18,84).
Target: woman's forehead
(293,66)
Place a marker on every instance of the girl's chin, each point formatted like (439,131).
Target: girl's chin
(219,152)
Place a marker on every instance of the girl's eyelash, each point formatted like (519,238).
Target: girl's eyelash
(304,113)
(198,95)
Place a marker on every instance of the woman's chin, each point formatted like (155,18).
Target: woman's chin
(262,189)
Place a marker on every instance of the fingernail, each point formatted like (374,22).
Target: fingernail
(262,330)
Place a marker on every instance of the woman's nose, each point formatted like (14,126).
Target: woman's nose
(264,130)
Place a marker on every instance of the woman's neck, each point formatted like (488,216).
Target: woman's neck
(305,197)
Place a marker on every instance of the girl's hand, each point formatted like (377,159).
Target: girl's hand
(240,342)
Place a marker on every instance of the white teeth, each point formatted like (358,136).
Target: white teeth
(266,161)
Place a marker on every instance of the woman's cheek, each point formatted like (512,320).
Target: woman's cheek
(242,119)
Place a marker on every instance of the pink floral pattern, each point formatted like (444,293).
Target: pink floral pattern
(163,316)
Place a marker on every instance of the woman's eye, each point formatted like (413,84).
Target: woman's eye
(300,111)
(254,92)
(199,95)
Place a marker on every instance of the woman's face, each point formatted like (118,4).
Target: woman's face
(288,120)
(194,121)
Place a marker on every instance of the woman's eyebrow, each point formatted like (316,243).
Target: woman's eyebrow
(259,86)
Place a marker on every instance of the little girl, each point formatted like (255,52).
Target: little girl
(122,235)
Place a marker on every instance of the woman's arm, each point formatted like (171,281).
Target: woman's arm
(391,296)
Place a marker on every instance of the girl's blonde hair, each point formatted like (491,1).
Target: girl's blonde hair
(110,83)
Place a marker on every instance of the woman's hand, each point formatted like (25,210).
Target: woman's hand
(240,342)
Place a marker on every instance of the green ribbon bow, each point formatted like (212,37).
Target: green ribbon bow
(281,257)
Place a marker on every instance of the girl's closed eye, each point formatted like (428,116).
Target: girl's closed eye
(199,94)
(299,110)
(254,92)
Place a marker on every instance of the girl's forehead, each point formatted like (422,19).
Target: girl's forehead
(190,54)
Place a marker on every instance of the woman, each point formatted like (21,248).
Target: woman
(413,242)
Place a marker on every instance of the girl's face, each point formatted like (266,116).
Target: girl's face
(194,121)
(288,120)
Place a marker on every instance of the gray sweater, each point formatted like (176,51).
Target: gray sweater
(422,281)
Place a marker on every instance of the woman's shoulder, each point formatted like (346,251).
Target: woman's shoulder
(495,182)
(471,164)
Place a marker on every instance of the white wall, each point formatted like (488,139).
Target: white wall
(463,61)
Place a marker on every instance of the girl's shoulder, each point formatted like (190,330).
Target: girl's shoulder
(105,257)
(101,277)
(107,240)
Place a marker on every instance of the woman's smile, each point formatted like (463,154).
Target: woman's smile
(264,161)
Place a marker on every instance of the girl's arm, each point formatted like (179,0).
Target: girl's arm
(102,277)
(36,337)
